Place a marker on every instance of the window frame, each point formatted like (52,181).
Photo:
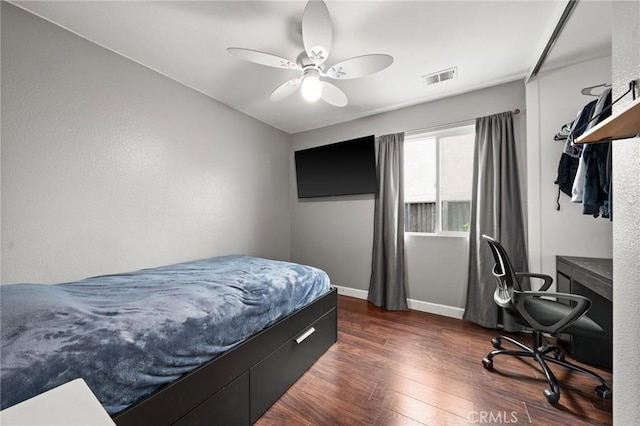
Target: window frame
(437,133)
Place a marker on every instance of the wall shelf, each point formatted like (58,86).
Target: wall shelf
(625,124)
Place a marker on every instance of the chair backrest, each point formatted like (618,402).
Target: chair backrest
(506,279)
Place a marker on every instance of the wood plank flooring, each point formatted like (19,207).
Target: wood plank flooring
(414,368)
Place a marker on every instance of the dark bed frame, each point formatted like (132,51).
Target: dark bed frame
(237,387)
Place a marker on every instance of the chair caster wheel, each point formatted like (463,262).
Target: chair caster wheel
(559,355)
(488,364)
(551,396)
(603,392)
(496,342)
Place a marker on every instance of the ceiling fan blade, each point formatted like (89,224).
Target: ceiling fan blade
(285,89)
(359,66)
(316,31)
(263,58)
(333,95)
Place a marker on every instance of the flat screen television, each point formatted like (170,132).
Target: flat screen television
(343,168)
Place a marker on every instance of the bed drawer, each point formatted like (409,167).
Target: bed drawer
(272,376)
(206,385)
(229,406)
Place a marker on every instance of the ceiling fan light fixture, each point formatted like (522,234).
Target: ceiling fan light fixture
(316,38)
(311,87)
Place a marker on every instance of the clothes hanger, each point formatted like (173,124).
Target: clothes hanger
(588,90)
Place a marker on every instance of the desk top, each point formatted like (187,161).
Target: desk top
(603,268)
(595,273)
(70,404)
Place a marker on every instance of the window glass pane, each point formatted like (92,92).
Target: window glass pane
(420,170)
(420,185)
(456,178)
(420,217)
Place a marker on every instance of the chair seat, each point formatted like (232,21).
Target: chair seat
(548,312)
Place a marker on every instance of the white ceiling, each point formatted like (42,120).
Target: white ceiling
(490,42)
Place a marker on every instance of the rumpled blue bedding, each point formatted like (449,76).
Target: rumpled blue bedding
(127,335)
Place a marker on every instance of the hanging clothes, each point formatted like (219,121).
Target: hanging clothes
(566,173)
(580,123)
(568,165)
(596,182)
(564,132)
(608,204)
(602,109)
(578,182)
(595,199)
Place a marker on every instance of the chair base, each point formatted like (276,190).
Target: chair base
(540,353)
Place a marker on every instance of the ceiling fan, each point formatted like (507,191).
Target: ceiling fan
(316,37)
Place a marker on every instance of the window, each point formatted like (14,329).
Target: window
(438,175)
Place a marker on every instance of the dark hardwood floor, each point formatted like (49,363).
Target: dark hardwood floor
(414,368)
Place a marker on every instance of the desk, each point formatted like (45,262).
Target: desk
(593,278)
(71,404)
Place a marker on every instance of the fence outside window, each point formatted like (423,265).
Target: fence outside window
(421,217)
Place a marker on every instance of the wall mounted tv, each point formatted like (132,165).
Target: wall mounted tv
(343,168)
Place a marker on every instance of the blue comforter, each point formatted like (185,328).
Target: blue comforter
(129,334)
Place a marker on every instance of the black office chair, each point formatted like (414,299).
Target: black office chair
(530,310)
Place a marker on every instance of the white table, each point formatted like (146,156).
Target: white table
(71,404)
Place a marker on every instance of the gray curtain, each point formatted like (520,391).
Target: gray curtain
(496,210)
(387,284)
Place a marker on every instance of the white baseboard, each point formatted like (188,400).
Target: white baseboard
(417,305)
(436,308)
(352,292)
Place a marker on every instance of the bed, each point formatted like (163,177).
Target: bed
(212,341)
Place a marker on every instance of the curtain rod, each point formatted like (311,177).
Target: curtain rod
(452,124)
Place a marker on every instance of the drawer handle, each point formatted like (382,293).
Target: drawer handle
(306,334)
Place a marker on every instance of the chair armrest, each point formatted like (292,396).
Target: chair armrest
(547,279)
(582,306)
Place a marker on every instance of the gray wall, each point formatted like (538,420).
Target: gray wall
(626,232)
(553,99)
(336,234)
(108,166)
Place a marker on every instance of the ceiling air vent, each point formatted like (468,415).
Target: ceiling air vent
(439,76)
